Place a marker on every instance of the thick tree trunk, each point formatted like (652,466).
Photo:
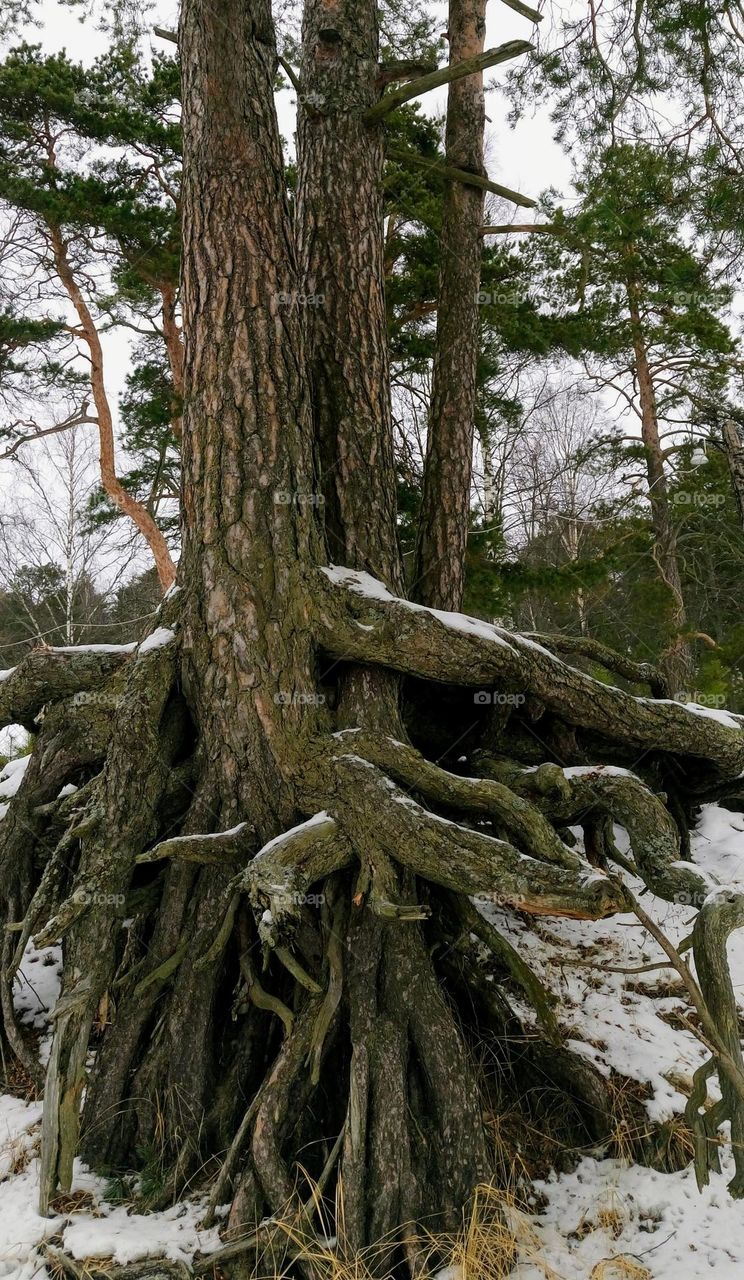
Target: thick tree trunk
(676,662)
(340,237)
(247,663)
(387,1177)
(227,814)
(445,508)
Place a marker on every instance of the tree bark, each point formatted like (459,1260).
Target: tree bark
(445,507)
(734,449)
(676,663)
(340,239)
(254,797)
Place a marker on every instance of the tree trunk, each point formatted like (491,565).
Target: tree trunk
(386,1176)
(340,237)
(445,507)
(734,449)
(127,504)
(676,663)
(260,883)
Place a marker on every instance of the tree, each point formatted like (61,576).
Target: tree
(256,794)
(42,102)
(648,310)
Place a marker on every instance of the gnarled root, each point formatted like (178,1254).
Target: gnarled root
(719,916)
(583,795)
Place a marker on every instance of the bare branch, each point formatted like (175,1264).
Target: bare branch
(444,75)
(449,172)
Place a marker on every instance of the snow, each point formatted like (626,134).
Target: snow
(660,1220)
(93,648)
(727,718)
(125,1237)
(13,740)
(608,770)
(372,589)
(318,820)
(159,637)
(37,985)
(96,1229)
(11,777)
(606,1209)
(197,838)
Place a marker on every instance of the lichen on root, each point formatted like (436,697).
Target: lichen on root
(386,844)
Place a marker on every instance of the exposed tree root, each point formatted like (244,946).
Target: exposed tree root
(359,620)
(51,675)
(719,916)
(584,795)
(327,1008)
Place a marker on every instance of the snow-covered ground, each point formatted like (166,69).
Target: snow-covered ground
(603,1210)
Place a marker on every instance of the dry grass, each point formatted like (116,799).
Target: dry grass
(623,1267)
(68,1203)
(495,1235)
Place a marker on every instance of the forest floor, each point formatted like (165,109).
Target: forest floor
(606,1219)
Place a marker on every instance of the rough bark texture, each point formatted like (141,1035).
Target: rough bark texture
(274,975)
(445,505)
(676,661)
(339,225)
(732,443)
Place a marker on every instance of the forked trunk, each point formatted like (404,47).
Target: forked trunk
(262,887)
(403,1089)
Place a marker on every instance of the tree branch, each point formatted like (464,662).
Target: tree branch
(448,171)
(524,9)
(445,75)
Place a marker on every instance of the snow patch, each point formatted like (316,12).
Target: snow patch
(157,640)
